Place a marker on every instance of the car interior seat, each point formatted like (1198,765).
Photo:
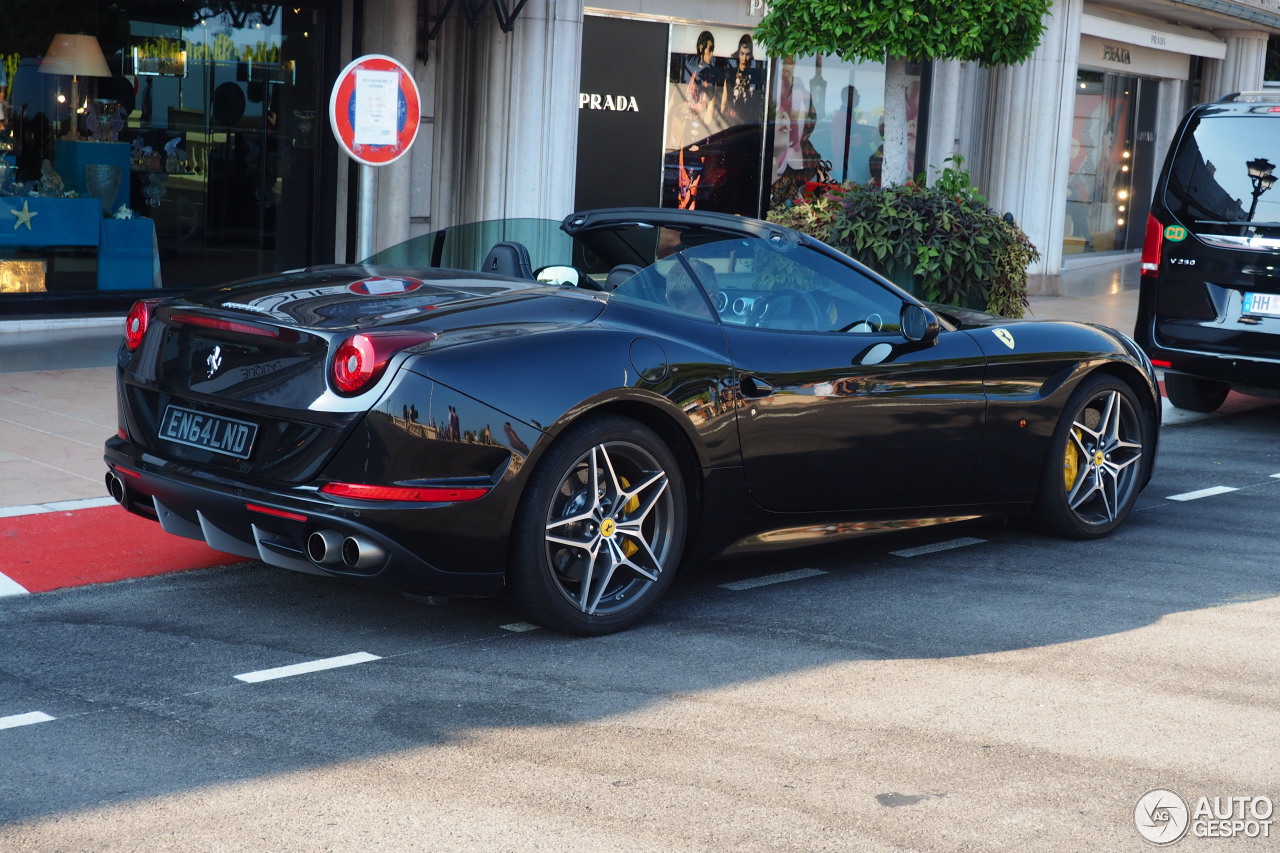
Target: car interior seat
(510,259)
(618,275)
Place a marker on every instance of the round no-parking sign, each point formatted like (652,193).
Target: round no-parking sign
(374,110)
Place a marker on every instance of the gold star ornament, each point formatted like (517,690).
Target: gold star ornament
(23,216)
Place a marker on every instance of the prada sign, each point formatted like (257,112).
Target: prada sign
(616,103)
(624,65)
(1111,53)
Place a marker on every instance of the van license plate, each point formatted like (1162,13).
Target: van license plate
(1262,303)
(208,432)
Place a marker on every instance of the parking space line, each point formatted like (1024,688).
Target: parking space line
(781,577)
(9,586)
(517,627)
(1202,493)
(30,719)
(309,666)
(1275,476)
(938,546)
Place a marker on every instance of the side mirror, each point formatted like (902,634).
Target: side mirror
(919,324)
(558,275)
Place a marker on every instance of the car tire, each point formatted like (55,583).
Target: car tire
(1097,461)
(1194,394)
(593,553)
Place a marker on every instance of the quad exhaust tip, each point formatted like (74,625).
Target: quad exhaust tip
(360,553)
(329,547)
(325,547)
(115,487)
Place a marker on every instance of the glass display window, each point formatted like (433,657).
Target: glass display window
(193,124)
(736,130)
(1101,168)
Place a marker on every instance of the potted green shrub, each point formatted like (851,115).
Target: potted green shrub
(942,243)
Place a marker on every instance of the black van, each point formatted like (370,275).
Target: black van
(1209,304)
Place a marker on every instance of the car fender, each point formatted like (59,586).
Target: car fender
(1032,369)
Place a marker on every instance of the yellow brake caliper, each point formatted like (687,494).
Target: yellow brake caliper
(1071,462)
(1071,459)
(629,547)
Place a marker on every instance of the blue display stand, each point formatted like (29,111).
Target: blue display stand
(33,221)
(126,256)
(70,158)
(126,247)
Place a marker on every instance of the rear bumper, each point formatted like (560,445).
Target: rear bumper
(1235,369)
(274,526)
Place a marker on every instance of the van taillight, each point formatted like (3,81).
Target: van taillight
(1151,247)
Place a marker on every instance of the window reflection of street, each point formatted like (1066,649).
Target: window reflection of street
(844,530)
(450,427)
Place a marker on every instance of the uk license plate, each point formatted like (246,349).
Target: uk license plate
(208,432)
(1267,304)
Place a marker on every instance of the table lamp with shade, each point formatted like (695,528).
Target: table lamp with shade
(77,55)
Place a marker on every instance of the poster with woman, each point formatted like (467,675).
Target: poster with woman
(827,122)
(716,87)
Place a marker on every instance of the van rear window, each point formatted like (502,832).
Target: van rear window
(1211,189)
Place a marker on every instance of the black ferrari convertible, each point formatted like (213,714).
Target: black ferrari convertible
(566,412)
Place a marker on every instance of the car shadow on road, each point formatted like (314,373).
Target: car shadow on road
(141,674)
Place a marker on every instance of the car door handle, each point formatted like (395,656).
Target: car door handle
(753,387)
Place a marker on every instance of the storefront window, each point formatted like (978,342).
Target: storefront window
(717,91)
(1100,183)
(737,129)
(827,123)
(158,144)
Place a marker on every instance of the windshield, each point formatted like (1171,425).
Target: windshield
(464,247)
(1221,180)
(695,270)
(594,254)
(747,281)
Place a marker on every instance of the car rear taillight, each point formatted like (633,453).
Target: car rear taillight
(361,358)
(1152,245)
(366,492)
(222,324)
(135,325)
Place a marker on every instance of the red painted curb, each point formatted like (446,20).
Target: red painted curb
(53,550)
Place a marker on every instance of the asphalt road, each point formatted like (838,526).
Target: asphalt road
(1010,692)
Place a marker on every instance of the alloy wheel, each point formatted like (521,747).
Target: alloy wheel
(609,528)
(1101,460)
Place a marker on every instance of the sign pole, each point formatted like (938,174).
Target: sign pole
(368,211)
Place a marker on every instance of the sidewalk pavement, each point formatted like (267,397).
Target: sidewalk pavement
(58,403)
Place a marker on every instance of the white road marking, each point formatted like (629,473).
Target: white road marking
(1275,476)
(24,720)
(937,546)
(781,577)
(517,627)
(309,666)
(56,506)
(1202,493)
(9,586)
